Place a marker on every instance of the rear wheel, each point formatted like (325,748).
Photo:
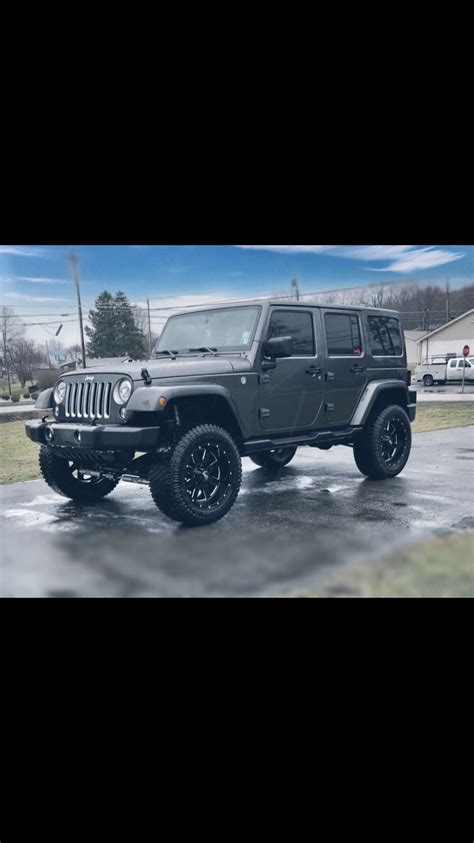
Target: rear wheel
(428,380)
(201,481)
(382,450)
(66,478)
(274,459)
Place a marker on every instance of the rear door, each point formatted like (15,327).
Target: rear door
(346,375)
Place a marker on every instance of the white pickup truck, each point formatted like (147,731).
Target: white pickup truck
(442,370)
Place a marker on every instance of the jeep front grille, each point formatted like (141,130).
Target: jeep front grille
(88,400)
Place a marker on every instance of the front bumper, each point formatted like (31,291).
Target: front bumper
(97,437)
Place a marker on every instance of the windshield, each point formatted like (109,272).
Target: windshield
(231,329)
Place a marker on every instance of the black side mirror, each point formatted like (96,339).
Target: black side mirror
(279,347)
(275,348)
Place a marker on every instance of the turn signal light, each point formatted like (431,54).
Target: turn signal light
(163,401)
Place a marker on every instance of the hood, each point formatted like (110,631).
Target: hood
(165,367)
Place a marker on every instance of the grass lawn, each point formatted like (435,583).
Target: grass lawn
(443,414)
(19,456)
(440,567)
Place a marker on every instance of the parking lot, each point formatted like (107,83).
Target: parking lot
(286,531)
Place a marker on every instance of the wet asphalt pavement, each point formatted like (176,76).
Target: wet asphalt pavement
(286,530)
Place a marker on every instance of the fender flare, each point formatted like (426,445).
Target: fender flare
(45,400)
(146,399)
(370,395)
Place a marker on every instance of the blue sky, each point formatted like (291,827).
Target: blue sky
(37,279)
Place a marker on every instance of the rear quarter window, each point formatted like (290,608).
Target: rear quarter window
(385,336)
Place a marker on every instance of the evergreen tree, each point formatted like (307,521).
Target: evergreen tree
(132,338)
(113,332)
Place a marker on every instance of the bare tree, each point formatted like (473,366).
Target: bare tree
(12,329)
(24,355)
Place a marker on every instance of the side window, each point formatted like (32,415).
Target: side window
(343,334)
(453,364)
(289,323)
(385,336)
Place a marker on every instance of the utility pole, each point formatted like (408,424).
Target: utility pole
(75,274)
(149,327)
(5,349)
(295,285)
(447,301)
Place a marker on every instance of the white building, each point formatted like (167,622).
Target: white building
(413,346)
(450,338)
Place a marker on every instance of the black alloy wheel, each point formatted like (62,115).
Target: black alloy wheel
(393,441)
(207,477)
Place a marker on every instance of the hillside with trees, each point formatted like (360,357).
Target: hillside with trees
(423,307)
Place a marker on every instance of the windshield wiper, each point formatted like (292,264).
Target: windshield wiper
(172,354)
(204,348)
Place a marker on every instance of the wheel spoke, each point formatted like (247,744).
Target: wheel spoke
(393,440)
(206,475)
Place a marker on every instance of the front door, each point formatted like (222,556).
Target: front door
(347,373)
(291,395)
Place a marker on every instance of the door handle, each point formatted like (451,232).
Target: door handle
(357,370)
(314,370)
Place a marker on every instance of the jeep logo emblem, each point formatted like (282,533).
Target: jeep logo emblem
(89,377)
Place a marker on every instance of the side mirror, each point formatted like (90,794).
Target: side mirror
(279,347)
(276,348)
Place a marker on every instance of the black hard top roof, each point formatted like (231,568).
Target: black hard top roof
(281,302)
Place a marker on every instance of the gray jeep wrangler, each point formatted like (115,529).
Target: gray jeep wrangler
(256,379)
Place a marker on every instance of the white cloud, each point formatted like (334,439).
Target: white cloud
(31,280)
(286,249)
(421,259)
(23,251)
(24,297)
(402,258)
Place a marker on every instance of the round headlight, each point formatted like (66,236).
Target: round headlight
(59,392)
(122,392)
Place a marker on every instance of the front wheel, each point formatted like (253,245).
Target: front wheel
(382,449)
(201,481)
(66,478)
(274,459)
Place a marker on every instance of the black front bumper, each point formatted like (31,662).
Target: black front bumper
(97,437)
